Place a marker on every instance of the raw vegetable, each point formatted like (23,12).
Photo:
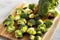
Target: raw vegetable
(9,20)
(23,28)
(39,33)
(38,38)
(31,16)
(18,11)
(31,37)
(22,21)
(42,28)
(18,34)
(17,17)
(39,22)
(31,31)
(28,11)
(10,28)
(53,12)
(31,6)
(48,23)
(31,22)
(43,8)
(24,15)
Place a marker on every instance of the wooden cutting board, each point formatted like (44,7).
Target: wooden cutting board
(11,36)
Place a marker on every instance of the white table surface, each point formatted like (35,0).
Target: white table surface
(6,7)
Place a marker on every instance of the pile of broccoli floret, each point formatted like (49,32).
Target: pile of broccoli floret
(27,22)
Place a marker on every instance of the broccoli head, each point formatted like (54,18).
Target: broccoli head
(31,31)
(39,33)
(53,12)
(23,28)
(22,21)
(38,38)
(17,17)
(18,34)
(8,22)
(24,15)
(42,28)
(39,22)
(48,23)
(31,37)
(31,6)
(10,28)
(31,16)
(31,22)
(19,11)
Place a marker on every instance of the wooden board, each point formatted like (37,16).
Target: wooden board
(11,36)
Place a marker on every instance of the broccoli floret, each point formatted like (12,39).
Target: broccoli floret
(18,34)
(38,38)
(8,22)
(31,37)
(23,28)
(17,17)
(53,12)
(37,17)
(31,22)
(28,11)
(31,16)
(31,31)
(48,23)
(42,28)
(39,33)
(10,28)
(39,22)
(31,6)
(10,17)
(19,11)
(22,21)
(24,15)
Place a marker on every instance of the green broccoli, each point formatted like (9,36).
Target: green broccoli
(39,22)
(8,22)
(10,28)
(19,11)
(31,6)
(39,33)
(17,17)
(18,34)
(31,31)
(53,12)
(31,37)
(24,15)
(31,16)
(48,23)
(37,17)
(38,38)
(10,17)
(31,22)
(22,21)
(42,28)
(28,11)
(23,28)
